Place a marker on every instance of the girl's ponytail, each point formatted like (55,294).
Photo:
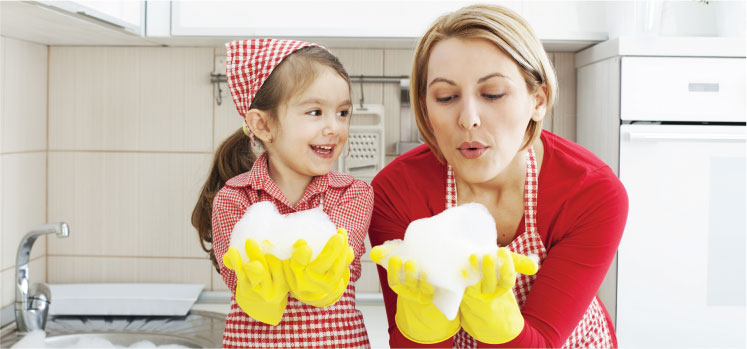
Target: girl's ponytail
(233,157)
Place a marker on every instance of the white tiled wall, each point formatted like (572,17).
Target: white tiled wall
(23,146)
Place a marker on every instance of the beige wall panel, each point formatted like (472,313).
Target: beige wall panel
(564,116)
(23,118)
(218,284)
(24,191)
(126,204)
(363,62)
(130,98)
(369,281)
(396,63)
(81,269)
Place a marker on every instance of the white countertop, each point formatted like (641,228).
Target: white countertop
(663,46)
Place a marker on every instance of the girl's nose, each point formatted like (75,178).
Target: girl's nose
(468,117)
(332,126)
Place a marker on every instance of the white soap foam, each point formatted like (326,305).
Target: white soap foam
(441,246)
(262,221)
(36,339)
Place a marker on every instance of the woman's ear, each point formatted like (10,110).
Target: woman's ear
(540,103)
(259,122)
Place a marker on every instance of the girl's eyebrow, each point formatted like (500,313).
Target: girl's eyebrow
(322,102)
(345,103)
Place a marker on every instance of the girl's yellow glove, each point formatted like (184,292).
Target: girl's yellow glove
(417,317)
(261,289)
(320,282)
(489,311)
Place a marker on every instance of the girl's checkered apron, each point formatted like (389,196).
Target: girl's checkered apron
(592,331)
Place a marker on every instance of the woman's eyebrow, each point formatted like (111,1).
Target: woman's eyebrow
(441,80)
(489,76)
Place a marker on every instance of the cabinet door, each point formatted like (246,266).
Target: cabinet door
(681,261)
(682,89)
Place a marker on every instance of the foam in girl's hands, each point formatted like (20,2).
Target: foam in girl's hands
(262,222)
(441,246)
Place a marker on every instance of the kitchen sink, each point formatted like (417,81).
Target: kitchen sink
(198,329)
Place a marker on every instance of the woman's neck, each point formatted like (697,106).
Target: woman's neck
(291,183)
(492,190)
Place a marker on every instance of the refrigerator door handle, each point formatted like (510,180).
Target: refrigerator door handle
(661,136)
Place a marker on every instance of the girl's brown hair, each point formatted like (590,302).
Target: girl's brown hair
(235,155)
(507,31)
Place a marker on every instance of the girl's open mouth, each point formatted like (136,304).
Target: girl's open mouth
(324,151)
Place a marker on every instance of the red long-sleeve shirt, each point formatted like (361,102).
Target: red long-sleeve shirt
(581,212)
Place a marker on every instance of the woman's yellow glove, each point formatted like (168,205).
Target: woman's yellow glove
(320,282)
(417,317)
(489,311)
(261,289)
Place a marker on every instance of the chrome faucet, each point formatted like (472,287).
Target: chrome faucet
(32,305)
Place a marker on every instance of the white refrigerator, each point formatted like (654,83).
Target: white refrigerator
(679,149)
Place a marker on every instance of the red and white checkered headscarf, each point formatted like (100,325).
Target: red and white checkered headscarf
(250,62)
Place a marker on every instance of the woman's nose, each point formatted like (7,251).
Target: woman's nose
(468,117)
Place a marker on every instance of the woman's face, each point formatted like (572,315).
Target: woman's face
(478,107)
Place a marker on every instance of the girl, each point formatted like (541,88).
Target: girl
(295,101)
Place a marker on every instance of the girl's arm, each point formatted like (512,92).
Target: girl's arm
(353,213)
(229,206)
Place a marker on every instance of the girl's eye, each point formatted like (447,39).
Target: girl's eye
(315,112)
(493,97)
(343,113)
(445,99)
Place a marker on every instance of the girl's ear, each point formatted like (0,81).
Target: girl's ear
(540,103)
(259,123)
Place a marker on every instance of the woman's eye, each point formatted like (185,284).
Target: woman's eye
(343,113)
(315,112)
(445,99)
(493,97)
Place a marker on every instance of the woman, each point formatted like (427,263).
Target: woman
(481,87)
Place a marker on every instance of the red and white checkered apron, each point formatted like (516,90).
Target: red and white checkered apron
(592,331)
(302,326)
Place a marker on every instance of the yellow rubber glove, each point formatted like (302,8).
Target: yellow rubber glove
(417,318)
(261,289)
(320,282)
(489,311)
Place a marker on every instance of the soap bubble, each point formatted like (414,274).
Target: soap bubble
(262,221)
(441,246)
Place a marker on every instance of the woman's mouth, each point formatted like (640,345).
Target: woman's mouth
(472,150)
(324,151)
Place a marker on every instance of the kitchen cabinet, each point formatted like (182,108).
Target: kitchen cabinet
(668,116)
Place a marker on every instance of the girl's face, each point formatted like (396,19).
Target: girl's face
(478,107)
(313,126)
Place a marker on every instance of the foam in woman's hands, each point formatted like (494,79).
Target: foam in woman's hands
(277,233)
(441,247)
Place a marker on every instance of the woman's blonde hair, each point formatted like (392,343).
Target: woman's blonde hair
(500,26)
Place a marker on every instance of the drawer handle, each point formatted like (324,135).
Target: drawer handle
(702,87)
(636,136)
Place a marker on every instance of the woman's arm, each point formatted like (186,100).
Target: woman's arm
(389,221)
(591,223)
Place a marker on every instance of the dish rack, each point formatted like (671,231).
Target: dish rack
(364,156)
